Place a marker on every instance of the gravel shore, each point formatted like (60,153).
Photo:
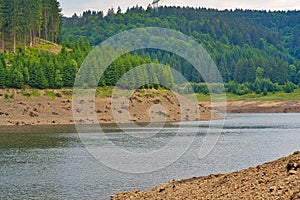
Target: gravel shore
(279,179)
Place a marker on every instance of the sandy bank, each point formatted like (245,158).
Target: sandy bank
(45,110)
(19,109)
(263,107)
(275,180)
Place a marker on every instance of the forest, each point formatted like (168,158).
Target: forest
(255,51)
(24,21)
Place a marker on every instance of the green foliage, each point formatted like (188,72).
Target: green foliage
(69,72)
(17,79)
(41,70)
(250,56)
(242,43)
(297,78)
(29,93)
(243,89)
(278,96)
(104,92)
(265,92)
(200,88)
(289,87)
(50,93)
(3,74)
(259,73)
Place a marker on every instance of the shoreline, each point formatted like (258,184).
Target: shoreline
(150,106)
(144,107)
(279,179)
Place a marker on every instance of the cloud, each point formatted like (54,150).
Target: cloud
(71,6)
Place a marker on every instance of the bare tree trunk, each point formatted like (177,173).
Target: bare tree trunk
(31,38)
(46,33)
(3,41)
(25,42)
(39,40)
(45,26)
(15,45)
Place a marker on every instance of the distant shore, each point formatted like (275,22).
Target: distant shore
(54,107)
(279,179)
(249,106)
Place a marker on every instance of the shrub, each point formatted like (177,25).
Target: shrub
(289,87)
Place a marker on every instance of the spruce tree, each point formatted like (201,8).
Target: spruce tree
(3,74)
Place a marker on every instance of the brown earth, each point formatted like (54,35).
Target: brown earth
(275,180)
(152,105)
(263,106)
(18,109)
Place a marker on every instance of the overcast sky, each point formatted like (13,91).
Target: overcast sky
(78,6)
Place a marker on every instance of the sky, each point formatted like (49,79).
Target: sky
(70,7)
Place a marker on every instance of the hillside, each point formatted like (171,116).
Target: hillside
(255,51)
(245,45)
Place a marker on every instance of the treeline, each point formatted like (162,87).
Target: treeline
(239,41)
(22,21)
(44,70)
(259,86)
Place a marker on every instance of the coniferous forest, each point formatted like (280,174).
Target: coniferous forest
(25,20)
(255,51)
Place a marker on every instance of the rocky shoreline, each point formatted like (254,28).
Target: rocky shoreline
(279,179)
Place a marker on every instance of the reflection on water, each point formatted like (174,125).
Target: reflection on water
(50,162)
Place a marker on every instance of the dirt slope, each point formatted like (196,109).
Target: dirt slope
(279,179)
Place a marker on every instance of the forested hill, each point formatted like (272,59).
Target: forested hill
(246,45)
(237,27)
(255,51)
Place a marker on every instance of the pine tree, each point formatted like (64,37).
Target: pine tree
(55,20)
(69,72)
(17,79)
(58,79)
(3,74)
(15,19)
(2,21)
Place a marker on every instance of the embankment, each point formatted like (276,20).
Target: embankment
(279,179)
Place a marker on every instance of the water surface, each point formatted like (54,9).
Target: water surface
(52,163)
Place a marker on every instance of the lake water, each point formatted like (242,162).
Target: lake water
(52,162)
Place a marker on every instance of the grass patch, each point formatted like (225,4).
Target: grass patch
(104,92)
(29,93)
(50,94)
(47,46)
(35,93)
(278,96)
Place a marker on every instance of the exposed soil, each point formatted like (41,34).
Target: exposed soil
(275,180)
(43,110)
(263,107)
(18,109)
